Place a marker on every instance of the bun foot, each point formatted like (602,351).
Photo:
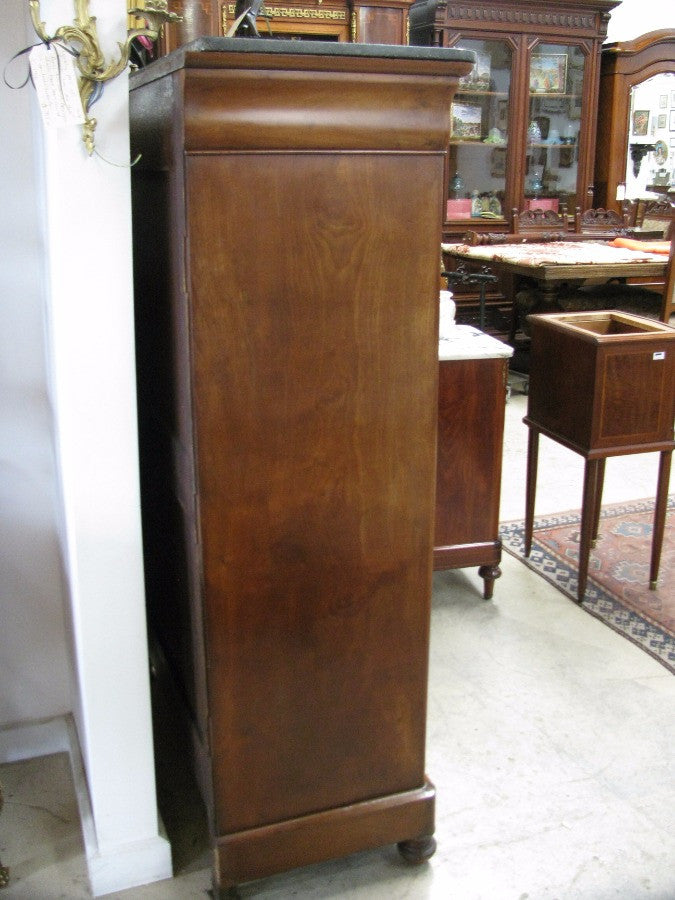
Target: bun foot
(489,574)
(418,850)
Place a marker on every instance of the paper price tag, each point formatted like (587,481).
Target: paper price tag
(55,78)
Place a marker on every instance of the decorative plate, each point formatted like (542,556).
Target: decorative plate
(660,152)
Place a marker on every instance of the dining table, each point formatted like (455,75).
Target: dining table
(553,265)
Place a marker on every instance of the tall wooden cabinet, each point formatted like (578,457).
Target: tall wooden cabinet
(523,121)
(287,321)
(362,21)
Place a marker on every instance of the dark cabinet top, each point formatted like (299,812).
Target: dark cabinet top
(217,52)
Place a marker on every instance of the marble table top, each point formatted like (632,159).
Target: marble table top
(467,342)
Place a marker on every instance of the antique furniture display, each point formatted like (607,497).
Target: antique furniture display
(371,22)
(287,352)
(524,120)
(473,372)
(601,384)
(636,113)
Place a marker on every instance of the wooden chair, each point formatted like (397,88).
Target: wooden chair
(656,215)
(540,222)
(600,222)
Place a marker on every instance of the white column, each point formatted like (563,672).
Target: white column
(92,367)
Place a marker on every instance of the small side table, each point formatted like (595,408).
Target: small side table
(601,384)
(472,384)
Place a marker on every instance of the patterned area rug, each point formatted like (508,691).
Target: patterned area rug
(618,574)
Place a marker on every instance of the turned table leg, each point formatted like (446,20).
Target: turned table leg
(660,516)
(589,511)
(600,481)
(531,486)
(489,574)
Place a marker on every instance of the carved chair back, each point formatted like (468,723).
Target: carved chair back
(657,215)
(539,221)
(600,221)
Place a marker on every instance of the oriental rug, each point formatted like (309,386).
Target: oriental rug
(618,574)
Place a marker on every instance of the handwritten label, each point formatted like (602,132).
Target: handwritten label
(54,74)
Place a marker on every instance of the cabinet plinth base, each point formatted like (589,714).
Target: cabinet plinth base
(406,819)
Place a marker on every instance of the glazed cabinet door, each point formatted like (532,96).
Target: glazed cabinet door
(479,136)
(557,145)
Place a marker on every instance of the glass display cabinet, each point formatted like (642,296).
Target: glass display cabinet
(523,122)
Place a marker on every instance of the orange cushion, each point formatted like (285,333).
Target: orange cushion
(644,246)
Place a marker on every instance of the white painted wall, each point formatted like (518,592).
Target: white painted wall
(34,667)
(68,473)
(78,213)
(635,17)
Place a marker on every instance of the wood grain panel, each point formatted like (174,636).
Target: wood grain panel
(316,424)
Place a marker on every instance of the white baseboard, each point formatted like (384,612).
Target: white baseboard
(119,867)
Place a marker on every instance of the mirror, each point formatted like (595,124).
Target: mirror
(650,166)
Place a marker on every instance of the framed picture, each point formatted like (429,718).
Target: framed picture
(498,162)
(566,157)
(553,105)
(660,153)
(548,73)
(663,101)
(466,121)
(661,121)
(478,78)
(641,122)
(576,94)
(503,115)
(672,98)
(672,120)
(672,143)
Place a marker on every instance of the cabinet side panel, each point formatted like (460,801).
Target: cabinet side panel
(314,280)
(637,391)
(562,370)
(471,398)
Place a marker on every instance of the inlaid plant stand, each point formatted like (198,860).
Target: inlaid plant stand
(601,384)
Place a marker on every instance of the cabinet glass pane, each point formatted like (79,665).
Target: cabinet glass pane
(479,134)
(556,80)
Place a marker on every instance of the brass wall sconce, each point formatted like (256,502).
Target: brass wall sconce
(82,39)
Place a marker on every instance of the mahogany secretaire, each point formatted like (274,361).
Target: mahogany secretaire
(287,225)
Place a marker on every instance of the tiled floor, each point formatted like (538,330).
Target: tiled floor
(551,742)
